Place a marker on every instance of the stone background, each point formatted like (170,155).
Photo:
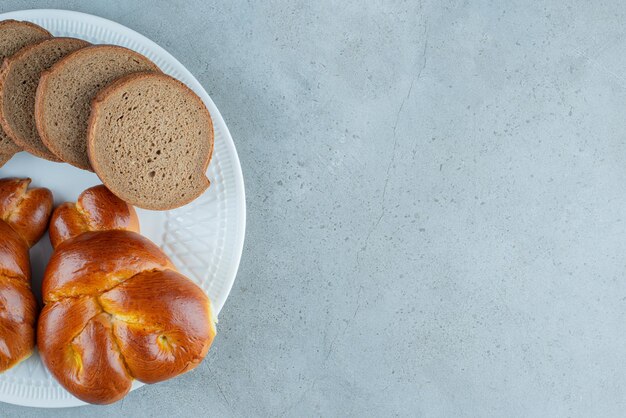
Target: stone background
(436,206)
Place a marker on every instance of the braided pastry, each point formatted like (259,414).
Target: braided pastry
(116,308)
(24,217)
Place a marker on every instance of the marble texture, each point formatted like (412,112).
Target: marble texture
(436,206)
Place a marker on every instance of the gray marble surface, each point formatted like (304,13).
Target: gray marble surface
(436,206)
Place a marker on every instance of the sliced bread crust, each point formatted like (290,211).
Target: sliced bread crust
(14,35)
(150,140)
(65,91)
(19,79)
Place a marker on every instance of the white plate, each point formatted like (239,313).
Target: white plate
(204,238)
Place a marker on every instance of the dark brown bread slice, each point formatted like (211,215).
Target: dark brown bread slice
(4,158)
(18,85)
(14,36)
(65,91)
(150,140)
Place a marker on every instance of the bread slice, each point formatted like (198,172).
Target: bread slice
(65,91)
(14,36)
(4,158)
(150,140)
(18,85)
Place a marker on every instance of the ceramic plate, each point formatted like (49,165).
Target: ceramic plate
(204,239)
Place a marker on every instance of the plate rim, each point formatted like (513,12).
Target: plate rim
(194,84)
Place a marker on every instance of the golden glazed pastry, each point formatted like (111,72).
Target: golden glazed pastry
(24,217)
(116,308)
